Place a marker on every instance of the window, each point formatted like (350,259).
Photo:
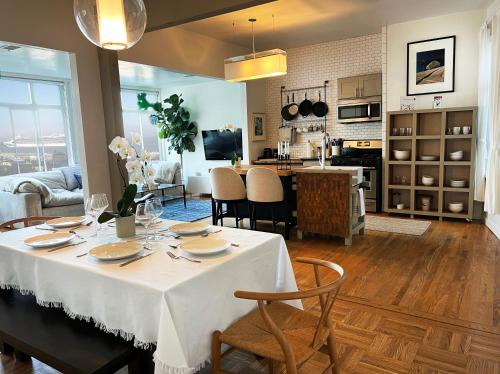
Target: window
(34,128)
(135,120)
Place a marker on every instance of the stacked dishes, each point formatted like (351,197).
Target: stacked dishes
(458,183)
(428,158)
(456,207)
(456,156)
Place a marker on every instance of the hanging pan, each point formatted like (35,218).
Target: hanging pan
(290,110)
(305,107)
(320,109)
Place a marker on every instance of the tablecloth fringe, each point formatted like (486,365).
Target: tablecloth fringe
(99,324)
(167,369)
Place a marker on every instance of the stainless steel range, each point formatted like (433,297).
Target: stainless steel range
(368,154)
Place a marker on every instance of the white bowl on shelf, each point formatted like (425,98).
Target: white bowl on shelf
(428,158)
(456,207)
(458,183)
(427,180)
(401,155)
(456,156)
(400,206)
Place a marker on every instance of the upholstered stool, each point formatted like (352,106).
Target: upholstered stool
(227,188)
(264,188)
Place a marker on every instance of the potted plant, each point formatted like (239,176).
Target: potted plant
(124,214)
(173,123)
(140,173)
(235,158)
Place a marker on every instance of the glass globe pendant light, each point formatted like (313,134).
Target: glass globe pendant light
(111,24)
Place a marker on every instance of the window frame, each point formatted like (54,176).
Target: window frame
(149,91)
(64,86)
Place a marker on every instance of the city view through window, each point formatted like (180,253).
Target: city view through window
(34,130)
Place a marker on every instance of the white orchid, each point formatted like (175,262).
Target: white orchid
(146,156)
(136,138)
(149,171)
(137,178)
(133,165)
(137,165)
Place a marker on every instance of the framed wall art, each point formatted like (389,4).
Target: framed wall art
(258,127)
(431,66)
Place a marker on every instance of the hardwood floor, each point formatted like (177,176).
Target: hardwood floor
(410,304)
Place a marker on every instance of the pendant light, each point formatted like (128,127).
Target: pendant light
(111,24)
(256,65)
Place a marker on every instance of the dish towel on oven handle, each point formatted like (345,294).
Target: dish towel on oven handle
(361,194)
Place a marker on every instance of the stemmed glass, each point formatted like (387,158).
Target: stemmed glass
(145,216)
(155,207)
(98,204)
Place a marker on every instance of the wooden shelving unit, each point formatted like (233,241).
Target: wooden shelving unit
(430,137)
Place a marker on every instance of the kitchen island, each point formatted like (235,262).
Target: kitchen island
(331,191)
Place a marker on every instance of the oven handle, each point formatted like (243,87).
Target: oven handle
(369,110)
(369,168)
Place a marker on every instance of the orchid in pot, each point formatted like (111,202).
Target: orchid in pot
(235,158)
(140,173)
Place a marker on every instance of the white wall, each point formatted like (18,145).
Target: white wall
(211,105)
(493,221)
(311,66)
(465,26)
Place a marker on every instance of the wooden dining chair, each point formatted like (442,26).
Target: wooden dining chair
(26,221)
(282,333)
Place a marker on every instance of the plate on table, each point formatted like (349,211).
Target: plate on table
(205,246)
(189,228)
(66,222)
(49,240)
(115,251)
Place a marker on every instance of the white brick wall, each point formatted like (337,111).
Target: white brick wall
(311,66)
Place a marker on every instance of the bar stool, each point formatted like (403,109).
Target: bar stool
(264,188)
(227,188)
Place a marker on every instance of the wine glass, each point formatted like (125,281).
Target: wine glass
(145,217)
(155,207)
(98,204)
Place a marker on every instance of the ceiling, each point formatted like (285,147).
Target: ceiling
(27,60)
(145,76)
(306,22)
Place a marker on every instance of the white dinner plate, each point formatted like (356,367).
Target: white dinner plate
(189,228)
(49,240)
(115,251)
(66,222)
(205,246)
(428,158)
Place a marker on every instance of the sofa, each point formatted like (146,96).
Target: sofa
(48,193)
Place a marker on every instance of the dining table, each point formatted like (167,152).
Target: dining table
(171,306)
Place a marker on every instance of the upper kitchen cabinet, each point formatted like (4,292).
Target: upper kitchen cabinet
(360,86)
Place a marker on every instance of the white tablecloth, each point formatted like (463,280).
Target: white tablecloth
(173,304)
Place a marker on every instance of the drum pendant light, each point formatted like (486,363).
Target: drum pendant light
(111,24)
(258,65)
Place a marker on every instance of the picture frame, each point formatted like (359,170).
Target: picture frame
(430,66)
(258,127)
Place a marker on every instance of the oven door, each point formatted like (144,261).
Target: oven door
(370,182)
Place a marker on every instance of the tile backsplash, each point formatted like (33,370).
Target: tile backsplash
(311,66)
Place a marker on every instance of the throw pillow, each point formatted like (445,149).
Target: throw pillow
(78,178)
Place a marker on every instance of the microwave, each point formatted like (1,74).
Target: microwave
(363,110)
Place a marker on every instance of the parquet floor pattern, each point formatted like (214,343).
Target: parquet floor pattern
(419,305)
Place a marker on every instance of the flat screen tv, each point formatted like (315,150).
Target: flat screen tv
(221,145)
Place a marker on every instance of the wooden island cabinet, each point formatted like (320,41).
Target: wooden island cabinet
(316,201)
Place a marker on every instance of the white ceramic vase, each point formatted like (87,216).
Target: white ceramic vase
(125,226)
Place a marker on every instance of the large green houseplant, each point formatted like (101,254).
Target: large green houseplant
(173,122)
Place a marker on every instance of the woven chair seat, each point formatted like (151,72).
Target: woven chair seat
(251,334)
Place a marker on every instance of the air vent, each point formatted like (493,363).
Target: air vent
(9,47)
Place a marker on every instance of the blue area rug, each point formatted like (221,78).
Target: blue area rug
(196,209)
